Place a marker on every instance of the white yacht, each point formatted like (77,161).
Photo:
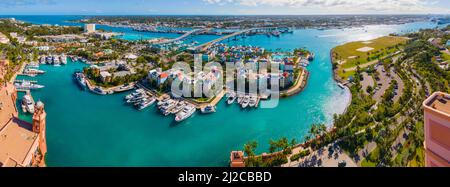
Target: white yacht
(27,85)
(252,102)
(178,107)
(146,103)
(246,101)
(63,59)
(56,61)
(27,104)
(33,71)
(231,98)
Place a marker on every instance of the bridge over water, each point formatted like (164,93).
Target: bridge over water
(181,37)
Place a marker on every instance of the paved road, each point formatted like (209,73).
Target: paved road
(401,85)
(368,81)
(384,81)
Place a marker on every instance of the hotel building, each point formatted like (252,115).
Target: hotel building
(437,130)
(22,144)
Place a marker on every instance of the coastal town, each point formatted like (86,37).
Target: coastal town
(388,79)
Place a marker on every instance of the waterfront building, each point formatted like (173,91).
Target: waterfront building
(89,28)
(105,76)
(22,144)
(288,65)
(104,35)
(437,130)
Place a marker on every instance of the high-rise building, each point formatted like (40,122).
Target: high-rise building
(89,28)
(437,130)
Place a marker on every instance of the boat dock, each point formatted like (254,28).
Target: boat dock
(20,81)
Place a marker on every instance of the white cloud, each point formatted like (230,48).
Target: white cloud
(392,6)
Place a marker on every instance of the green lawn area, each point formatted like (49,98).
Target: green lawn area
(352,57)
(346,74)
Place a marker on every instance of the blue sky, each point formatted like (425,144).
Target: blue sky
(221,7)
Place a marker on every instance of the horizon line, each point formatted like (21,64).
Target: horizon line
(344,14)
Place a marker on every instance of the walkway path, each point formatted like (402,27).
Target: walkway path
(299,84)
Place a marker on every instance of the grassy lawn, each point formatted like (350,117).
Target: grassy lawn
(366,163)
(352,57)
(345,75)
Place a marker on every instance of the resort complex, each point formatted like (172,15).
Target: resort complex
(22,144)
(243,91)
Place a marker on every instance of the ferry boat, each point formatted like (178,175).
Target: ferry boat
(208,109)
(27,104)
(27,85)
(187,112)
(146,103)
(246,101)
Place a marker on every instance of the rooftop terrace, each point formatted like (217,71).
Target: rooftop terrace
(439,102)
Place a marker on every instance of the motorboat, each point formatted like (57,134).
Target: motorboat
(27,85)
(28,104)
(208,109)
(187,112)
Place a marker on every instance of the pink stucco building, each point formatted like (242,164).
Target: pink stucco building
(437,130)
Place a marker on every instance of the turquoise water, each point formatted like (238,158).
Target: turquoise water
(84,129)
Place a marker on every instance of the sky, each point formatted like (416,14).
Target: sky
(221,7)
